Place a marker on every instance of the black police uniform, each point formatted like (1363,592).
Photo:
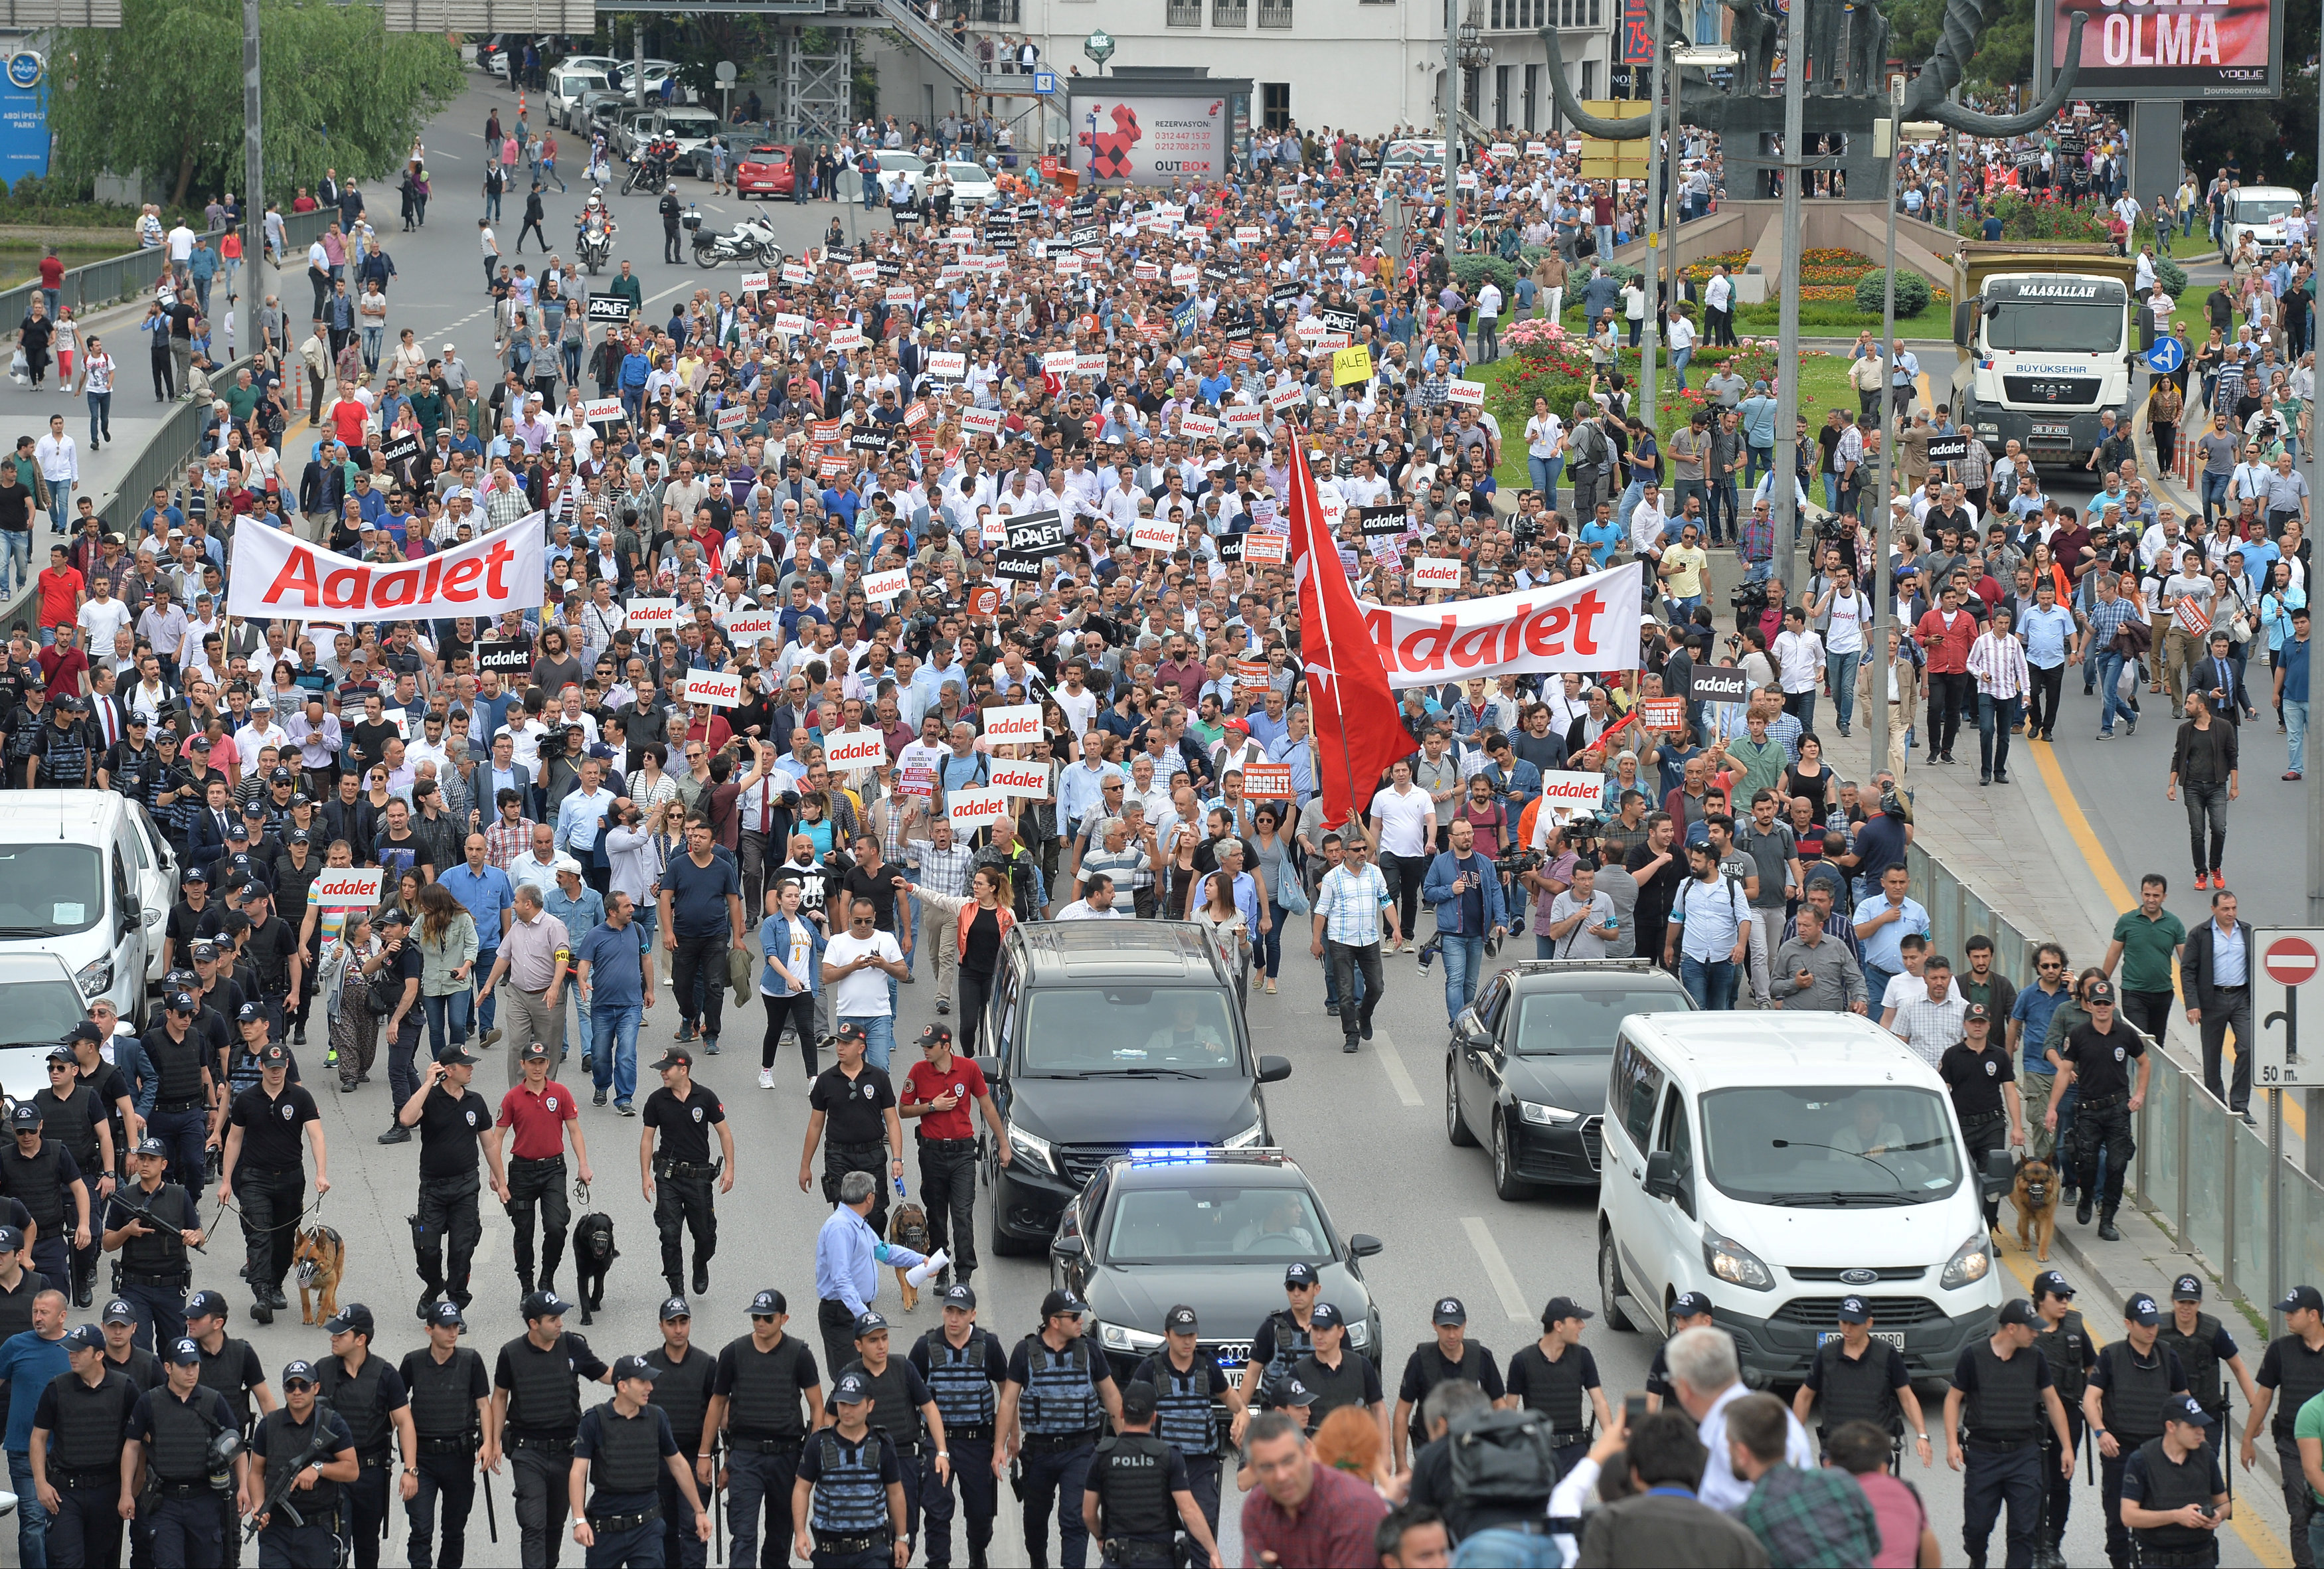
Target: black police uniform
(1560,1390)
(444,1421)
(626,1455)
(848,1516)
(73,1120)
(183,1070)
(153,1273)
(450,1178)
(271,945)
(1186,1418)
(180,1505)
(1354,1381)
(686,1179)
(667,207)
(1426,1368)
(2101,1064)
(233,1370)
(16,1306)
(318,1537)
(855,1132)
(365,1400)
(1134,1475)
(1278,1346)
(1976,1079)
(269,1184)
(898,1396)
(2296,1374)
(1062,1414)
(66,761)
(2004,1415)
(84,1423)
(544,1412)
(682,1392)
(1858,1389)
(766,1425)
(2151,1480)
(45,1182)
(2071,1353)
(961,1379)
(2133,1392)
(2203,1356)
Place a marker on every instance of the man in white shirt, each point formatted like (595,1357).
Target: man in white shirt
(1096,903)
(261,731)
(101,615)
(1798,656)
(856,965)
(1705,1380)
(60,462)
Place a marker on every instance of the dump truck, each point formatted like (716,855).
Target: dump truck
(2045,333)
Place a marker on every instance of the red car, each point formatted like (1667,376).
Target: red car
(764,171)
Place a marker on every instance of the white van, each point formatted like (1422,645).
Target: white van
(87,875)
(1780,1161)
(567,83)
(2259,211)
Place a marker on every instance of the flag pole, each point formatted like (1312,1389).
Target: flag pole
(1303,478)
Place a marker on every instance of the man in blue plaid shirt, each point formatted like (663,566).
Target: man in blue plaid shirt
(2106,617)
(1349,907)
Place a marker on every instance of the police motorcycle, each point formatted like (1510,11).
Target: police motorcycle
(651,172)
(752,241)
(593,233)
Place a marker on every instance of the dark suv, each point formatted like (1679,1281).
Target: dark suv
(1106,1036)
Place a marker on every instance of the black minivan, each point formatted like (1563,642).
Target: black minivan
(1106,1037)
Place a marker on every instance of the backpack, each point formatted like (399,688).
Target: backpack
(1504,1457)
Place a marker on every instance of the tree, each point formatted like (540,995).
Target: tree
(163,93)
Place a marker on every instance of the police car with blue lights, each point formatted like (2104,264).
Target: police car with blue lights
(1213,1230)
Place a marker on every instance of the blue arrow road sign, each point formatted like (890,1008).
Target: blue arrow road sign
(2166,357)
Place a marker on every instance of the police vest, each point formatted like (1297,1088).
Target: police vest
(161,1250)
(223,1372)
(1058,1400)
(243,1070)
(629,1452)
(850,1499)
(893,1411)
(2132,1406)
(1131,1477)
(72,1123)
(546,1396)
(1552,1388)
(35,1182)
(279,1443)
(89,1421)
(178,1063)
(764,1402)
(182,1432)
(1856,1389)
(683,1394)
(16,1307)
(2174,1485)
(1291,1344)
(2302,1379)
(2198,1360)
(442,1406)
(358,1399)
(2005,1407)
(2066,1368)
(1430,1363)
(1182,1408)
(958,1379)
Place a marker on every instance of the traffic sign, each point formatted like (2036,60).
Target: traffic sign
(2166,357)
(2291,960)
(1045,81)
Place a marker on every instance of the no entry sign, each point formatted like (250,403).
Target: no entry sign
(2289,960)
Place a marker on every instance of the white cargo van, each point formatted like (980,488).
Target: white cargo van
(87,875)
(1778,1162)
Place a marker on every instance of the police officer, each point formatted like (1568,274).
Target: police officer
(1186,1383)
(2065,1341)
(683,1381)
(371,1397)
(2096,1059)
(2175,1495)
(669,209)
(1283,1338)
(313,1440)
(2003,1385)
(1052,1405)
(685,1113)
(1140,1493)
(2291,1374)
(141,1368)
(2134,1380)
(38,1172)
(263,1165)
(631,1455)
(455,1123)
(960,1365)
(232,1368)
(152,1223)
(1689,1310)
(75,1452)
(1862,1379)
(1977,1069)
(274,950)
(847,1501)
(72,1118)
(245,1060)
(536,1411)
(61,754)
(851,1108)
(908,1414)
(173,1432)
(763,1399)
(1337,1376)
(2204,1346)
(19,1282)
(1451,1355)
(451,1405)
(1553,1375)
(940,1091)
(540,1113)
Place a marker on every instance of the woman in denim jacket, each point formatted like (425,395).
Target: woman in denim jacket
(792,981)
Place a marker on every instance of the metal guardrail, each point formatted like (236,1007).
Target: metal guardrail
(90,287)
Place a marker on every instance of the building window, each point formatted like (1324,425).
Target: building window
(1184,13)
(1275,13)
(1275,105)
(1587,16)
(1588,81)
(1502,75)
(1230,12)
(1531,96)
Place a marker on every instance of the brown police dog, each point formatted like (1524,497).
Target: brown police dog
(319,1258)
(908,1227)
(2036,1195)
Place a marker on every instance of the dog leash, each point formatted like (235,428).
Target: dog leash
(314,1208)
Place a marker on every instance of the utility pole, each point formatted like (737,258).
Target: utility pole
(1787,380)
(1656,186)
(1883,593)
(252,281)
(1452,128)
(2314,1142)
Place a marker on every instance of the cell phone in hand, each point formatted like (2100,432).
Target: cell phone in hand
(1634,1411)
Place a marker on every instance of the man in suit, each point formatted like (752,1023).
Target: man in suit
(1661,1522)
(2215,975)
(213,821)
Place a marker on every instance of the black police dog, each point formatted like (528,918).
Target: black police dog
(592,1257)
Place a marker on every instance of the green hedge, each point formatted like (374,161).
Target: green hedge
(2173,276)
(1911,292)
(1472,268)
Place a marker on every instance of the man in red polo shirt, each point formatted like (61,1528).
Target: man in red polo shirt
(542,1112)
(1947,632)
(938,1091)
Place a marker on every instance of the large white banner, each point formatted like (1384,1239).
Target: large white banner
(276,574)
(1589,623)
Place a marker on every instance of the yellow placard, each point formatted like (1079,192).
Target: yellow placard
(1653,240)
(1352,365)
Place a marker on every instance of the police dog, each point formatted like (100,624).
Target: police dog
(2036,1198)
(593,1257)
(319,1257)
(908,1227)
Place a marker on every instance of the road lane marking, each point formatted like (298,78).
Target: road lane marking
(1497,1268)
(1405,1090)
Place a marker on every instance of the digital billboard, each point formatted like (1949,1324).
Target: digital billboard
(1151,138)
(2167,49)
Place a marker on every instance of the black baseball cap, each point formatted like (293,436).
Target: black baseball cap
(1449,1310)
(184,1352)
(1975,1013)
(2300,1296)
(355,1318)
(635,1367)
(25,1115)
(961,1295)
(2141,1309)
(207,1304)
(674,1056)
(852,1389)
(544,1304)
(1855,1310)
(1064,1301)
(2052,1283)
(251,1013)
(1560,1308)
(868,1323)
(2187,1288)
(767,1303)
(2016,1310)
(1690,1305)
(2099,992)
(1180,1320)
(1326,1316)
(446,1316)
(1299,1275)
(118,1311)
(1139,1399)
(676,1307)
(298,1370)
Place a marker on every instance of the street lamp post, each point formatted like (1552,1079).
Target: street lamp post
(1465,50)
(1787,384)
(1884,520)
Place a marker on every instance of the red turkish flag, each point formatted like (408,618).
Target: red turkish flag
(1343,235)
(1357,731)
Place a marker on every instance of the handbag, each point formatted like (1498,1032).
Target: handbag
(1292,895)
(382,1000)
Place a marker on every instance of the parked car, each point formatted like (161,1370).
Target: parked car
(695,160)
(971,186)
(85,875)
(39,1003)
(763,169)
(567,84)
